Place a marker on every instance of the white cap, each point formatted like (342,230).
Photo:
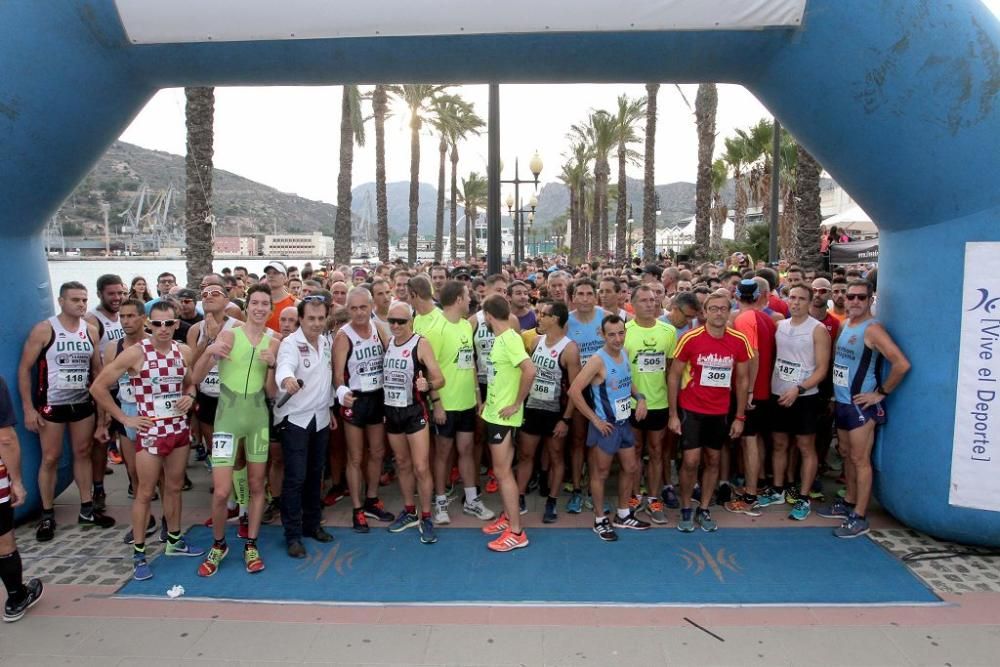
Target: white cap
(277,266)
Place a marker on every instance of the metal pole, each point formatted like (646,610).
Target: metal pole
(772,247)
(515,220)
(493,177)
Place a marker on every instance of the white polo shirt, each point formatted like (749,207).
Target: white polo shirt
(298,359)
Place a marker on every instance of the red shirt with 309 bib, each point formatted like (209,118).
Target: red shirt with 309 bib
(157,390)
(711,369)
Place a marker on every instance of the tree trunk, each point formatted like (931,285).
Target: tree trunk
(705,105)
(380,106)
(411,235)
(439,213)
(808,213)
(454,204)
(199,115)
(742,203)
(572,227)
(788,243)
(470,232)
(649,177)
(719,213)
(621,248)
(342,223)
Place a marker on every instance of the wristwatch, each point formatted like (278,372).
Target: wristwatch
(565,420)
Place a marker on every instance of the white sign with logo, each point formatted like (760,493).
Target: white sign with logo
(975,456)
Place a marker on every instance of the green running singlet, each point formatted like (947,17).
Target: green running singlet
(648,350)
(242,412)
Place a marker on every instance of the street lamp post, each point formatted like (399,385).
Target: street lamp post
(517,219)
(535,165)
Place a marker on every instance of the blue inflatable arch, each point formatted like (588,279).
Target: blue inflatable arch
(896,98)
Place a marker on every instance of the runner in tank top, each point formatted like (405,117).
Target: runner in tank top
(547,412)
(62,351)
(410,373)
(358,351)
(164,393)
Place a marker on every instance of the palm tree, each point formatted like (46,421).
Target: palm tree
(380,110)
(474,196)
(199,118)
(454,118)
(808,215)
(719,210)
(705,105)
(735,158)
(600,136)
(576,175)
(630,112)
(649,176)
(757,144)
(417,98)
(352,129)
(787,240)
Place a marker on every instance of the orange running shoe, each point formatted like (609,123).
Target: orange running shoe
(508,541)
(492,486)
(211,564)
(499,525)
(115,457)
(454,476)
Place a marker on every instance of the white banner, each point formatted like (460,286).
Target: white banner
(156,22)
(975,456)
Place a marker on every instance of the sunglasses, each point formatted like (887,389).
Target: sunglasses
(856,297)
(156,324)
(820,290)
(398,321)
(208,293)
(314,298)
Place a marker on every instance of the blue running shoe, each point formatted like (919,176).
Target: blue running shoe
(705,520)
(549,516)
(800,510)
(836,510)
(686,523)
(403,521)
(855,526)
(427,535)
(575,504)
(140,569)
(670,498)
(770,497)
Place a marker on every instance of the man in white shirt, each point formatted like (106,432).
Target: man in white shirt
(302,413)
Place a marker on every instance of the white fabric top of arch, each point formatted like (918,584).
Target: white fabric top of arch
(182,21)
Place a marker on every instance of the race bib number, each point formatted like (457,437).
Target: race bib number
(125,391)
(651,362)
(623,408)
(370,381)
(222,445)
(543,390)
(395,397)
(165,405)
(211,380)
(788,371)
(716,376)
(840,373)
(70,378)
(465,361)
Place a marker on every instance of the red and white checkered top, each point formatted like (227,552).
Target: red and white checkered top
(4,484)
(157,388)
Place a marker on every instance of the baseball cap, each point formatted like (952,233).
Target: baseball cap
(748,290)
(360,272)
(187,294)
(277,266)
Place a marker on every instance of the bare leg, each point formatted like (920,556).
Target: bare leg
(404,466)
(420,455)
(376,455)
(256,474)
(173,479)
(503,459)
(600,469)
(81,435)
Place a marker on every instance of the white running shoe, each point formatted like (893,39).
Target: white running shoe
(441,513)
(477,509)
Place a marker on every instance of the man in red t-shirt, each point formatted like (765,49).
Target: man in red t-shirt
(710,362)
(277,278)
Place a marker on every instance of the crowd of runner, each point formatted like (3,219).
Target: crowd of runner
(710,385)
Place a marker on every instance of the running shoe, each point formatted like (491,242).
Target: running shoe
(182,548)
(114,456)
(567,487)
(792,495)
(150,529)
(295,549)
(200,452)
(532,483)
(635,504)
(497,526)
(231,513)
(522,506)
(492,485)
(670,498)
(140,568)
(374,509)
(724,494)
(441,516)
(477,509)
(770,497)
(210,565)
(163,530)
(188,484)
(575,504)
(630,522)
(387,478)
(704,519)
(46,529)
(100,500)
(333,495)
(360,522)
(252,559)
(740,505)
(454,476)
(508,541)
(550,514)
(14,611)
(99,519)
(403,521)
(855,526)
(836,510)
(272,511)
(686,522)
(654,510)
(800,510)
(604,530)
(427,535)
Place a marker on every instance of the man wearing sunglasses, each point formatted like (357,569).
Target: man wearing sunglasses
(861,349)
(164,393)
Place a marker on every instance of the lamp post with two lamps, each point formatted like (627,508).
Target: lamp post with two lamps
(517,217)
(535,165)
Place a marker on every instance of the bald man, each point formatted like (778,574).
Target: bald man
(288,321)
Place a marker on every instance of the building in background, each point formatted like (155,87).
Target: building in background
(235,245)
(301,245)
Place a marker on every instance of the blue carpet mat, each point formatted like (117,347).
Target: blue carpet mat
(777,566)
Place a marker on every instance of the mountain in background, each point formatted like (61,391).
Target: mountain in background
(397,198)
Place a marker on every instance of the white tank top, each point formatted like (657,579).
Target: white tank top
(546,390)
(483,342)
(112,328)
(210,385)
(401,368)
(794,356)
(364,360)
(67,365)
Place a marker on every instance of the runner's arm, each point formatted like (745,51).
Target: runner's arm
(207,359)
(37,339)
(571,357)
(434,375)
(674,385)
(100,387)
(821,344)
(590,374)
(341,347)
(877,337)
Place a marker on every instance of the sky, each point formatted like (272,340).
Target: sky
(288,137)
